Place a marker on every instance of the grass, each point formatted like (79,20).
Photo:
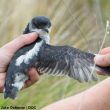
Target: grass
(77,23)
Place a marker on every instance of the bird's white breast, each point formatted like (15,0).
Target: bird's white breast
(29,55)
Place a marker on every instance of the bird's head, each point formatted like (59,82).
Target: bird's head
(41,25)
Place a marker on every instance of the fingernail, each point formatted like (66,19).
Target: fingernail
(98,59)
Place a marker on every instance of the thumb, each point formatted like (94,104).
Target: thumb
(20,41)
(105,50)
(102,60)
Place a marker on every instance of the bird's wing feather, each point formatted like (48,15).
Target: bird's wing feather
(65,60)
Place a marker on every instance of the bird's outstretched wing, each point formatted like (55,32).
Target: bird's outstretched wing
(65,60)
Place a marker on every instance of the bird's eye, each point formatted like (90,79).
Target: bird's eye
(41,26)
(38,25)
(35,23)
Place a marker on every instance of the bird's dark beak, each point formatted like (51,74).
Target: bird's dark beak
(46,30)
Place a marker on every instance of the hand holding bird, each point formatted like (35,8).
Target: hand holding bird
(46,58)
(6,54)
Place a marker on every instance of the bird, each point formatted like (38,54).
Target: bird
(48,59)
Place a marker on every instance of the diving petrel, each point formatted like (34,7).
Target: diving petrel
(46,58)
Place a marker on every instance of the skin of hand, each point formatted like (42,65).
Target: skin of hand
(103,58)
(6,54)
(94,98)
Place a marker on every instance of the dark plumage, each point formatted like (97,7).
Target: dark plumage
(55,60)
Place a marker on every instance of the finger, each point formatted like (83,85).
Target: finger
(33,77)
(105,51)
(21,41)
(2,81)
(102,60)
(100,72)
(28,83)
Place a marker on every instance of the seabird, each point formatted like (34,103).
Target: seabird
(46,58)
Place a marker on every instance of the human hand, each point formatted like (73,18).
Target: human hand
(103,59)
(7,52)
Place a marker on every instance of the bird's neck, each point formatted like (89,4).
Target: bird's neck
(45,38)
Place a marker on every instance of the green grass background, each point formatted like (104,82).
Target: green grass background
(78,23)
